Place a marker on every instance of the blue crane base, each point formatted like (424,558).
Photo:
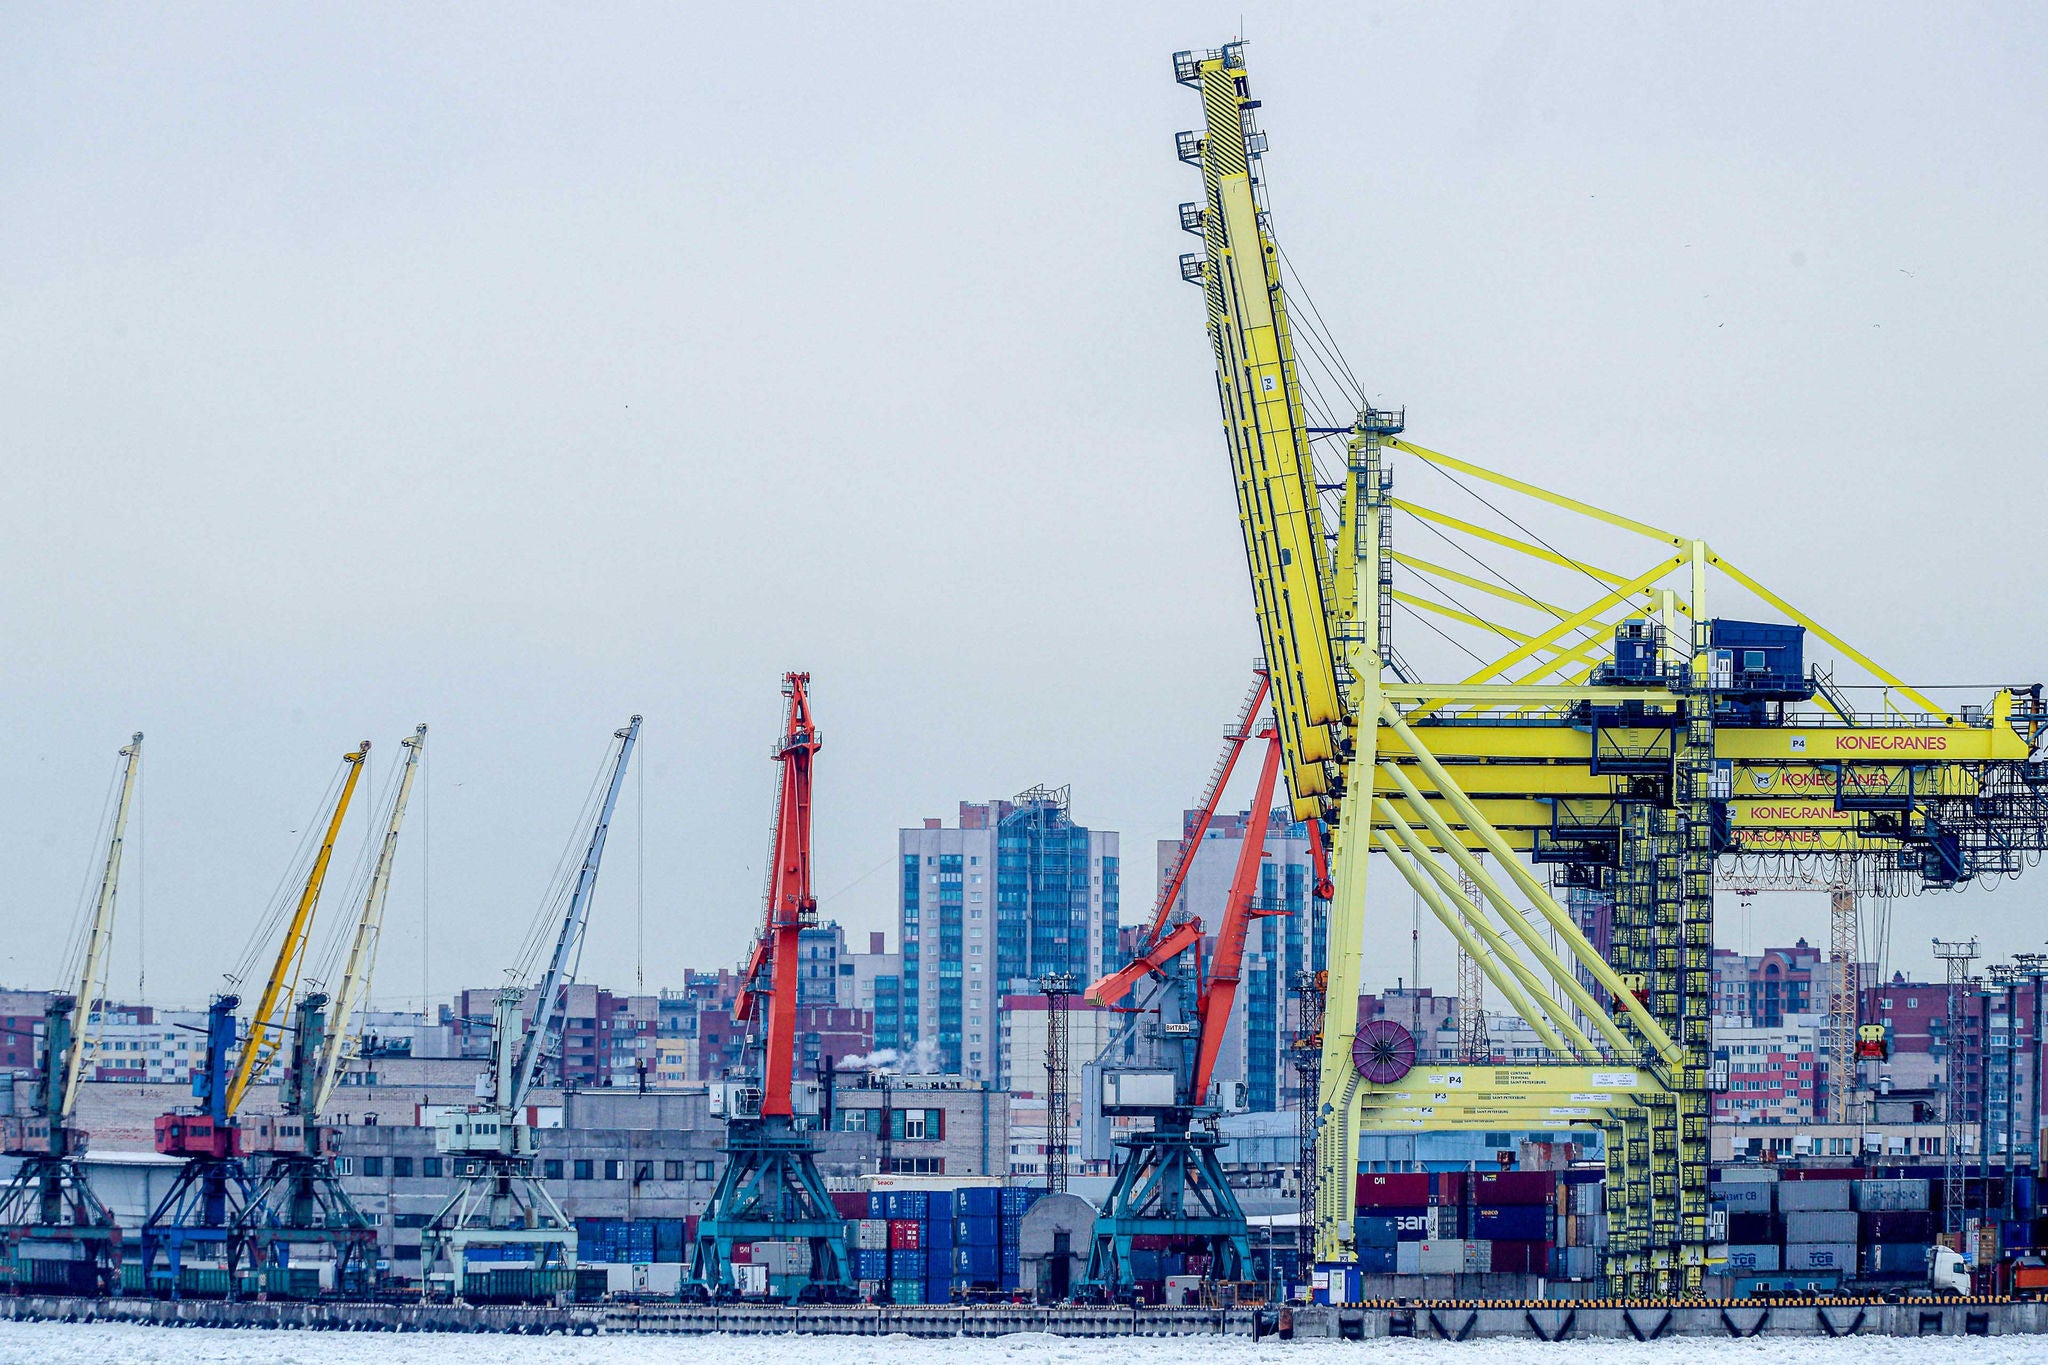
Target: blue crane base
(1171,1185)
(769,1191)
(198,1213)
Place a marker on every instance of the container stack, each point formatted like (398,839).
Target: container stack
(1581,1250)
(1895,1227)
(1393,1212)
(1513,1210)
(987,1247)
(1456,1223)
(1792,1227)
(625,1241)
(1820,1227)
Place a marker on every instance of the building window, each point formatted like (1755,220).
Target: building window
(643,1171)
(704,1170)
(671,1170)
(401,1166)
(583,1168)
(373,1165)
(430,1167)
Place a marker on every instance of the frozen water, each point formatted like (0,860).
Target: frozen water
(120,1344)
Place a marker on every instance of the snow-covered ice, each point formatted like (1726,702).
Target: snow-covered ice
(121,1344)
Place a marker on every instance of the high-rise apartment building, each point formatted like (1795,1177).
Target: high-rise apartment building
(1016,890)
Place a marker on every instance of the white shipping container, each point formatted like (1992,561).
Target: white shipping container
(1890,1196)
(1407,1258)
(1810,1195)
(1442,1222)
(871,1234)
(1821,1256)
(1763,1257)
(1441,1258)
(1742,1196)
(1478,1256)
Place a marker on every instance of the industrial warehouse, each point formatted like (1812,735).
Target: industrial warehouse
(1046,1110)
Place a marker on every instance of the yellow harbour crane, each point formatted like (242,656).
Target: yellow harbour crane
(298,1201)
(205,1208)
(1625,743)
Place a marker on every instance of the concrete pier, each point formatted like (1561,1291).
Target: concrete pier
(1435,1321)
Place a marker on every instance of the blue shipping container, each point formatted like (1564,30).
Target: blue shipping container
(1373,1230)
(939,1206)
(1901,1260)
(870,1265)
(878,1203)
(1512,1223)
(937,1232)
(1018,1199)
(1376,1260)
(976,1264)
(978,1201)
(907,1204)
(938,1263)
(976,1232)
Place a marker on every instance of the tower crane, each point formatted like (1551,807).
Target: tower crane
(298,1201)
(1169,1183)
(212,1189)
(1629,745)
(49,1215)
(501,1208)
(1850,1041)
(769,1189)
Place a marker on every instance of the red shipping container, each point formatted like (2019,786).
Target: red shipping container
(742,1253)
(1823,1173)
(1447,1187)
(904,1234)
(853,1204)
(1404,1190)
(1513,1187)
(1521,1258)
(1149,1241)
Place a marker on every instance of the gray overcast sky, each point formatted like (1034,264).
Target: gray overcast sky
(516,369)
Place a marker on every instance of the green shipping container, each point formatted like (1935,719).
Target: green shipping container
(907,1291)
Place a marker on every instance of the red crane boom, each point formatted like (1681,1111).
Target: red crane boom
(1226,967)
(791,907)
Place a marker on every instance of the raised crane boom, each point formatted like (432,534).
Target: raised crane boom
(284,973)
(362,953)
(1266,424)
(1219,778)
(1219,992)
(568,943)
(791,906)
(92,975)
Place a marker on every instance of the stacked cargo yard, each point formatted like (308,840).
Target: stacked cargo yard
(921,1246)
(1457,1223)
(1793,1228)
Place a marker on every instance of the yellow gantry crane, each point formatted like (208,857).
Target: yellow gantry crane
(1625,744)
